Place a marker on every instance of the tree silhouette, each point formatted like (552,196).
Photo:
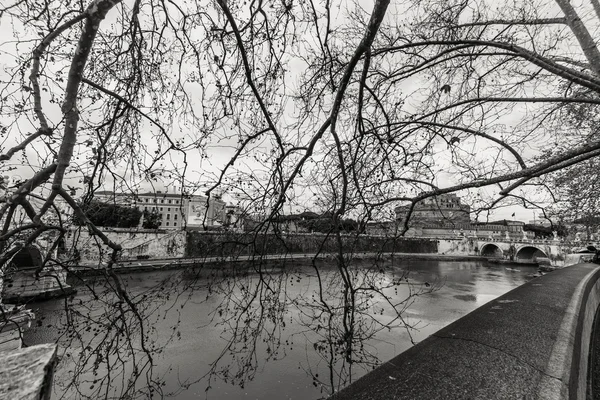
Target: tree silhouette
(322,103)
(110,215)
(151,220)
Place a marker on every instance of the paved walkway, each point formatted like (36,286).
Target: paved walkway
(174,263)
(594,378)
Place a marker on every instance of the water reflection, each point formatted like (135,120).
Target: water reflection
(466,297)
(270,334)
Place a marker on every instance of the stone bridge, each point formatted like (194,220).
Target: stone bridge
(25,279)
(526,250)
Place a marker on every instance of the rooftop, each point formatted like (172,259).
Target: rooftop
(156,194)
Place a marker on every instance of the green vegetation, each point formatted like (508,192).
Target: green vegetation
(325,225)
(151,220)
(109,215)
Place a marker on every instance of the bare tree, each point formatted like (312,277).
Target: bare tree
(576,199)
(461,96)
(368,107)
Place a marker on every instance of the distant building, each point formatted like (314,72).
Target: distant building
(205,214)
(234,218)
(10,183)
(446,216)
(442,209)
(296,223)
(176,211)
(541,220)
(501,230)
(384,228)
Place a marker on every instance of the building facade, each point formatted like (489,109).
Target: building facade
(446,216)
(501,230)
(442,209)
(205,214)
(176,210)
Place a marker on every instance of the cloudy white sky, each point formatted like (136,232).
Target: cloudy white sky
(205,166)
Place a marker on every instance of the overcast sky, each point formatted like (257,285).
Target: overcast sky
(218,152)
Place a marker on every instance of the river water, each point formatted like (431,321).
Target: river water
(288,334)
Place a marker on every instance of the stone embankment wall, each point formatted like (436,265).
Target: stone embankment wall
(12,325)
(137,244)
(459,246)
(26,374)
(153,244)
(226,244)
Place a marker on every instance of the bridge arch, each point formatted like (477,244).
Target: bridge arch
(530,253)
(491,250)
(27,257)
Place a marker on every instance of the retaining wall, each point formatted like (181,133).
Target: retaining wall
(26,374)
(531,343)
(227,244)
(152,244)
(459,246)
(137,244)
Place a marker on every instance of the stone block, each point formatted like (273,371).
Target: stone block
(26,374)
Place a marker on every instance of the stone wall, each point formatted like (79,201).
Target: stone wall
(152,244)
(10,340)
(25,285)
(461,246)
(137,244)
(27,373)
(12,325)
(225,244)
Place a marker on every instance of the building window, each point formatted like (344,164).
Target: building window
(147,200)
(167,224)
(175,216)
(169,201)
(174,223)
(162,200)
(168,217)
(169,209)
(176,201)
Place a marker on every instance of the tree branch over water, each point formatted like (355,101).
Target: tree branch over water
(280,107)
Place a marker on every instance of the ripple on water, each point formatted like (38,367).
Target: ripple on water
(466,297)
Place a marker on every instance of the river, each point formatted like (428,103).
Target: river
(279,335)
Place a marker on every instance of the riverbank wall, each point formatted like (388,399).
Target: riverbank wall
(200,244)
(240,263)
(141,245)
(138,244)
(532,343)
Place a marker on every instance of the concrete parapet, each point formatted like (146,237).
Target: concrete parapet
(26,374)
(531,343)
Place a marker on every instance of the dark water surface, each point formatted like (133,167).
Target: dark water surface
(189,321)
